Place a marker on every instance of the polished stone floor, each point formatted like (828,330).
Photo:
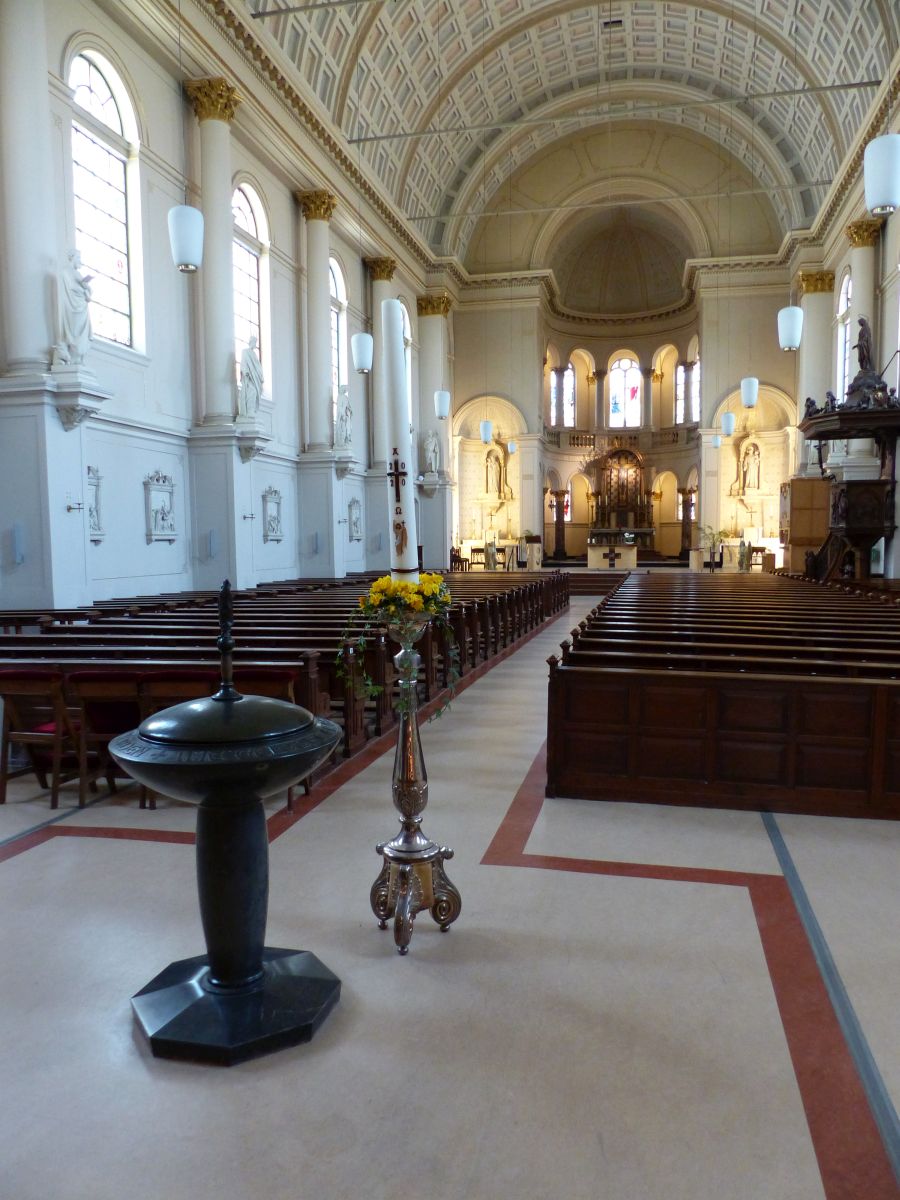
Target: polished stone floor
(636,1003)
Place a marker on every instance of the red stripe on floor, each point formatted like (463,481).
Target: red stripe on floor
(851,1156)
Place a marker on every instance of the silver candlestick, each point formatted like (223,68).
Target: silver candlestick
(412,877)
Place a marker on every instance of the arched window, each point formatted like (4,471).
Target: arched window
(407,357)
(106,195)
(695,391)
(249,243)
(679,394)
(624,394)
(565,401)
(338,293)
(843,336)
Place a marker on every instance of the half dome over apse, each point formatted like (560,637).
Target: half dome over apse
(621,261)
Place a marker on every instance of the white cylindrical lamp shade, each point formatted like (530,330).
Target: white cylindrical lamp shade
(881,171)
(186,237)
(749,391)
(728,422)
(487,431)
(401,501)
(790,327)
(716,441)
(362,348)
(442,404)
(511,447)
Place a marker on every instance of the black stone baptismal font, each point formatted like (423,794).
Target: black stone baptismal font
(226,753)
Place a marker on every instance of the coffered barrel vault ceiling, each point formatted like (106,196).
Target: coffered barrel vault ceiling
(529,134)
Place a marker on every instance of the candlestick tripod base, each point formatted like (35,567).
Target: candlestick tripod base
(411,881)
(185,1017)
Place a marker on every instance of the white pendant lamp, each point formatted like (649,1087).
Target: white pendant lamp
(790,327)
(186,237)
(716,441)
(728,420)
(881,172)
(749,391)
(487,432)
(442,404)
(362,348)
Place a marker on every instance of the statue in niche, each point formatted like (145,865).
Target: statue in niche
(432,451)
(492,475)
(863,346)
(74,314)
(250,389)
(750,468)
(343,434)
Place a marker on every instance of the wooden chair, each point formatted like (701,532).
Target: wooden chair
(108,704)
(35,717)
(457,561)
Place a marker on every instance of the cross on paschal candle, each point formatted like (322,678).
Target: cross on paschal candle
(611,556)
(397,474)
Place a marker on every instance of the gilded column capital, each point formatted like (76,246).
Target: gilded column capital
(647,372)
(381,269)
(657,376)
(213,99)
(433,305)
(317,205)
(864,232)
(592,377)
(811,282)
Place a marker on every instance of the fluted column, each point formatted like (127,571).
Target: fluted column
(27,188)
(862,461)
(382,272)
(686,533)
(215,101)
(318,207)
(599,379)
(559,548)
(560,376)
(814,355)
(647,398)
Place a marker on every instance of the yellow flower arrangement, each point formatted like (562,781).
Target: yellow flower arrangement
(405,608)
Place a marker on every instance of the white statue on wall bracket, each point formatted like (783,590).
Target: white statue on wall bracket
(74,315)
(95,510)
(354,520)
(271,507)
(159,503)
(432,450)
(343,430)
(251,384)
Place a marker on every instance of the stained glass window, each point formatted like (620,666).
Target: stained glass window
(679,394)
(624,394)
(695,391)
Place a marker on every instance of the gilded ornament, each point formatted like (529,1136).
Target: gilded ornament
(381,269)
(864,232)
(433,306)
(812,282)
(317,205)
(213,99)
